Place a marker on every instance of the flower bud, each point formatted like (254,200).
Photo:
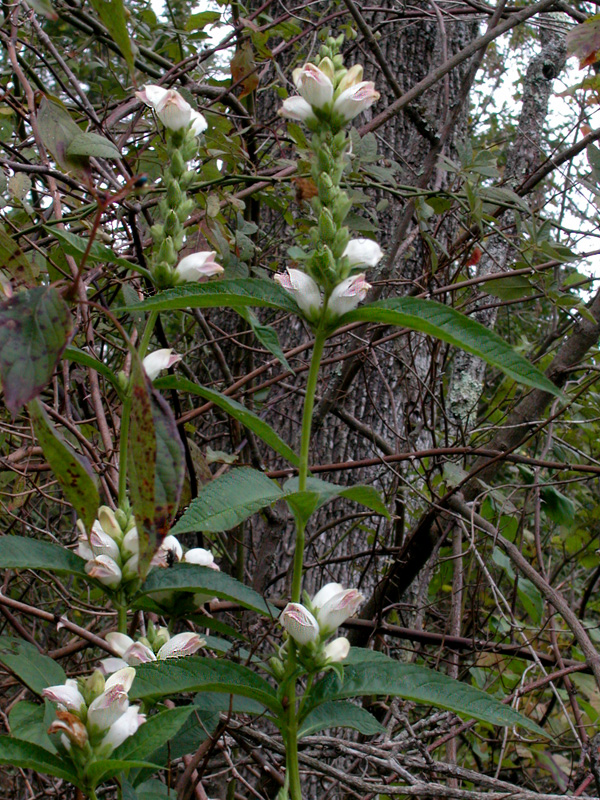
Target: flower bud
(167,253)
(327,191)
(299,623)
(177,165)
(347,295)
(161,636)
(184,209)
(130,569)
(71,727)
(342,206)
(313,85)
(130,546)
(355,99)
(351,78)
(174,194)
(296,108)
(277,668)
(158,232)
(172,226)
(197,266)
(108,520)
(184,644)
(67,696)
(327,228)
(104,569)
(363,252)
(337,650)
(304,289)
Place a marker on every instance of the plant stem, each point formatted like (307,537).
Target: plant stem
(148,331)
(122,618)
(292,770)
(309,402)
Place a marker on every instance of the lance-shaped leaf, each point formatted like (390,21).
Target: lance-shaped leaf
(35,327)
(156,463)
(367,672)
(91,144)
(112,14)
(31,667)
(248,418)
(15,263)
(73,472)
(194,578)
(57,130)
(26,755)
(234,293)
(197,674)
(20,552)
(227,501)
(319,492)
(340,714)
(447,324)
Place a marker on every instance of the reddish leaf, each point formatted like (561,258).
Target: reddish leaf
(474,257)
(35,327)
(583,41)
(243,69)
(156,464)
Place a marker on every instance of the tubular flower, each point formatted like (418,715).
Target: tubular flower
(304,289)
(104,569)
(71,727)
(197,266)
(296,108)
(313,85)
(337,650)
(184,644)
(351,78)
(125,726)
(355,99)
(337,608)
(363,253)
(155,362)
(67,695)
(170,549)
(172,109)
(300,623)
(347,295)
(104,545)
(202,557)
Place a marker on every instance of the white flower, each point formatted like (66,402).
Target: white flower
(130,546)
(304,289)
(348,294)
(299,623)
(199,123)
(324,594)
(83,548)
(170,107)
(67,695)
(313,85)
(355,99)
(296,108)
(104,569)
(197,266)
(123,678)
(202,557)
(351,78)
(337,608)
(337,650)
(124,727)
(155,362)
(184,644)
(170,544)
(119,642)
(108,522)
(104,545)
(106,709)
(363,252)
(111,664)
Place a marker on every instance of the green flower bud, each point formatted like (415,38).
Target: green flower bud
(277,668)
(167,252)
(327,191)
(174,194)
(172,224)
(162,274)
(338,60)
(122,518)
(341,207)
(327,227)
(185,209)
(179,239)
(123,382)
(187,178)
(340,141)
(178,165)
(92,686)
(158,233)
(189,148)
(324,160)
(340,242)
(161,636)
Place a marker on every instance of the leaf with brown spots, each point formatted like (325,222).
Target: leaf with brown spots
(15,263)
(73,472)
(155,464)
(35,327)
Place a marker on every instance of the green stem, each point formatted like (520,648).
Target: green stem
(292,769)
(122,618)
(126,415)
(309,402)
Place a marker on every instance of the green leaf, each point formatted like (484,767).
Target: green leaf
(15,262)
(194,578)
(447,324)
(513,287)
(195,674)
(369,672)
(340,715)
(112,14)
(20,552)
(76,246)
(35,327)
(228,500)
(91,144)
(86,360)
(202,19)
(28,723)
(236,293)
(156,463)
(266,335)
(106,768)
(236,410)
(73,472)
(529,595)
(26,755)
(31,667)
(319,492)
(57,131)
(559,507)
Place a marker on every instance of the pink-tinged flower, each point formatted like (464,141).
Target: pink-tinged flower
(363,253)
(104,545)
(197,266)
(296,108)
(106,709)
(337,609)
(347,295)
(119,642)
(351,78)
(169,545)
(355,99)
(155,362)
(111,664)
(313,85)
(108,522)
(123,679)
(202,557)
(139,653)
(71,727)
(67,695)
(125,726)
(184,644)
(324,594)
(299,623)
(170,107)
(304,289)
(199,123)
(83,548)
(337,650)
(104,569)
